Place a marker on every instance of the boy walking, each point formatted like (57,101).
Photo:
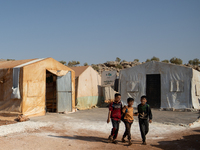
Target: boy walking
(145,117)
(115,110)
(128,119)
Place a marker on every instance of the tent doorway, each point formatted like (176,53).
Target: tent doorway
(51,94)
(153,90)
(58,92)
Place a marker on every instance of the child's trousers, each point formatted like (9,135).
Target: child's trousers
(115,129)
(128,129)
(144,128)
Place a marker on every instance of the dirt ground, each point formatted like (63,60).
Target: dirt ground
(51,139)
(6,122)
(89,130)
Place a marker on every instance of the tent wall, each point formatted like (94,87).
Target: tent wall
(34,86)
(175,84)
(8,105)
(196,89)
(88,89)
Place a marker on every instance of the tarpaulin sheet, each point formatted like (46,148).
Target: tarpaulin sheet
(58,72)
(88,91)
(16,72)
(32,83)
(176,91)
(108,94)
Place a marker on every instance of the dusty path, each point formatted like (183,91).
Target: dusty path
(89,130)
(51,139)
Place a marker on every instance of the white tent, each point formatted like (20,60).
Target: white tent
(165,85)
(88,87)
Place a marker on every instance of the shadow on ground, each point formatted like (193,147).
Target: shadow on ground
(92,139)
(83,138)
(190,142)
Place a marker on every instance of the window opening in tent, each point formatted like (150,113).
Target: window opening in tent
(153,90)
(51,94)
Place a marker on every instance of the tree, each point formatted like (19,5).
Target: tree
(165,61)
(137,60)
(155,58)
(190,62)
(63,62)
(85,64)
(95,67)
(118,59)
(148,60)
(196,62)
(175,60)
(10,59)
(73,63)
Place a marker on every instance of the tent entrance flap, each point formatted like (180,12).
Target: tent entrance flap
(153,90)
(51,100)
(64,93)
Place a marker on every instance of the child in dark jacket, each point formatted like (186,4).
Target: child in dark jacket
(145,117)
(115,110)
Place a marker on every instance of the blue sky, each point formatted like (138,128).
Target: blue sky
(95,31)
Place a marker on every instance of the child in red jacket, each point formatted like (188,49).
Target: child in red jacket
(115,110)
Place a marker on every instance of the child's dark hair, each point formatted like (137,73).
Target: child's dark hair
(130,100)
(117,94)
(143,97)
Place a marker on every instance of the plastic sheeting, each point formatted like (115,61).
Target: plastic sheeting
(108,94)
(16,93)
(32,84)
(16,72)
(58,72)
(88,89)
(176,91)
(88,102)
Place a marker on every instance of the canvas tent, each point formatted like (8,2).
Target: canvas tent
(30,87)
(88,87)
(166,85)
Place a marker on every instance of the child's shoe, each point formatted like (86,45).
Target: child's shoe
(114,141)
(129,142)
(123,140)
(110,138)
(144,143)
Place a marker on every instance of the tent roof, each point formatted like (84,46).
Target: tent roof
(79,70)
(159,63)
(12,64)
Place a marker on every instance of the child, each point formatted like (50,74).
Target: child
(115,109)
(144,113)
(128,119)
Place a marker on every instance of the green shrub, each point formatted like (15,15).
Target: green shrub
(175,60)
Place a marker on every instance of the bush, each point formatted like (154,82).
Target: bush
(95,67)
(165,61)
(73,63)
(119,66)
(118,59)
(155,58)
(85,64)
(10,59)
(148,60)
(63,62)
(137,60)
(194,62)
(175,60)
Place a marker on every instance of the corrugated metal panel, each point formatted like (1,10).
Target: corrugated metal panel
(64,93)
